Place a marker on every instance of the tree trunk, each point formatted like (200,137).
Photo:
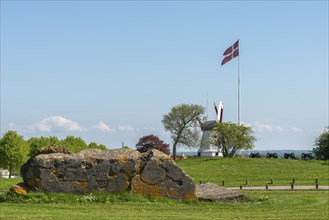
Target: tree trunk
(224,151)
(10,169)
(174,150)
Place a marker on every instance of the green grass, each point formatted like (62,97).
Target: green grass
(5,184)
(266,205)
(258,172)
(289,204)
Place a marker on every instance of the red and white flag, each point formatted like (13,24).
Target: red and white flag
(231,52)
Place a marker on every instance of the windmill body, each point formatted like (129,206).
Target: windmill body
(206,148)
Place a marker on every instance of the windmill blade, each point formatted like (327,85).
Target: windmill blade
(216,111)
(220,114)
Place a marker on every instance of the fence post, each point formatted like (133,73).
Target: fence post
(292,185)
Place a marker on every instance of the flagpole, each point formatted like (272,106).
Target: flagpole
(239,122)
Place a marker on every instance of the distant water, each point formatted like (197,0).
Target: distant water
(246,153)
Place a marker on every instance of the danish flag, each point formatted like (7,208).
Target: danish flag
(231,52)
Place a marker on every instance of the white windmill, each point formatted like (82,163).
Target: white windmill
(206,148)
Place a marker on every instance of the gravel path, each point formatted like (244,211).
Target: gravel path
(215,193)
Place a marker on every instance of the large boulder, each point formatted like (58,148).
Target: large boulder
(214,193)
(151,173)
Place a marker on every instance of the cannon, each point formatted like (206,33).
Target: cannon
(289,156)
(307,156)
(254,155)
(271,155)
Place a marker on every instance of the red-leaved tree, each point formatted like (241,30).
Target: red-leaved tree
(155,140)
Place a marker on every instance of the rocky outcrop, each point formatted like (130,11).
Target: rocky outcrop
(151,173)
(214,193)
(18,189)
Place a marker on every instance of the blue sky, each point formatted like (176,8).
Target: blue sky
(108,71)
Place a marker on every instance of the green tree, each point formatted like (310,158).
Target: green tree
(230,138)
(13,151)
(182,123)
(96,146)
(74,144)
(39,142)
(321,150)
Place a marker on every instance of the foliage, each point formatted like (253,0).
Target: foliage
(258,171)
(321,150)
(182,123)
(74,144)
(157,143)
(37,143)
(13,151)
(71,198)
(96,146)
(230,138)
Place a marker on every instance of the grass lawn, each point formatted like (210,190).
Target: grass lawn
(289,204)
(5,184)
(267,205)
(258,171)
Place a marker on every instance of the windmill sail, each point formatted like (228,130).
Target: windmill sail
(219,111)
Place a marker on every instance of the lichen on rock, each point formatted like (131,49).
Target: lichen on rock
(151,173)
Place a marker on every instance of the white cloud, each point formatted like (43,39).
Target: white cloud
(151,129)
(126,128)
(11,126)
(267,127)
(261,127)
(56,123)
(102,127)
(296,130)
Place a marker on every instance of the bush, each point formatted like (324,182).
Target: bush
(321,150)
(155,142)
